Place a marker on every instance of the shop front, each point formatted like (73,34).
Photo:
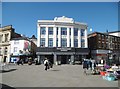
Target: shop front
(62,55)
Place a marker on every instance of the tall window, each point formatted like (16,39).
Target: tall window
(15,49)
(57,43)
(6,37)
(64,42)
(42,42)
(1,37)
(63,31)
(82,32)
(50,42)
(43,30)
(82,43)
(76,42)
(50,30)
(57,30)
(70,31)
(75,31)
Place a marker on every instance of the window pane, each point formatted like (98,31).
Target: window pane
(76,42)
(15,49)
(57,30)
(82,43)
(82,32)
(63,31)
(57,42)
(70,31)
(75,31)
(50,30)
(43,30)
(64,42)
(50,42)
(42,42)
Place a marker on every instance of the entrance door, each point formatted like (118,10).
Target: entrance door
(65,59)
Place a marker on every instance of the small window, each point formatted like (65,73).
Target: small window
(15,49)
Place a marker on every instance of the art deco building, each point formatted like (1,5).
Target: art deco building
(61,40)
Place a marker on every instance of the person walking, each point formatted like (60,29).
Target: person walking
(46,63)
(85,65)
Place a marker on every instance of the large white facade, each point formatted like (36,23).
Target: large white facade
(61,32)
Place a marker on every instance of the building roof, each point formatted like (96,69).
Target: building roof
(21,38)
(114,32)
(91,34)
(62,19)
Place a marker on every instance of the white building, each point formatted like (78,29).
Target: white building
(21,48)
(62,32)
(114,33)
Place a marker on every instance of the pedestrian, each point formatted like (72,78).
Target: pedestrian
(85,65)
(50,64)
(46,63)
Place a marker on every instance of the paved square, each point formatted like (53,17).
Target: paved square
(58,76)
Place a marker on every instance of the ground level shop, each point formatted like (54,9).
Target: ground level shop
(62,55)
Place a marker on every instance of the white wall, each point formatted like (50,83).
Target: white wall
(19,46)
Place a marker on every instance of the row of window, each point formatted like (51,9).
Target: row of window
(5,39)
(63,31)
(108,38)
(108,45)
(63,42)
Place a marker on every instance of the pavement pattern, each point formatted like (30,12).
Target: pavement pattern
(58,76)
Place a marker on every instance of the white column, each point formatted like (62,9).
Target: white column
(59,37)
(72,37)
(54,36)
(86,41)
(68,37)
(38,35)
(46,37)
(79,38)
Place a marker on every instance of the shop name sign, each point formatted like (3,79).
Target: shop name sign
(63,49)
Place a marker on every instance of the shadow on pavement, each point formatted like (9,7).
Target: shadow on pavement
(4,86)
(55,70)
(4,71)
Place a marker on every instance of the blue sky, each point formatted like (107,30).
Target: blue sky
(24,15)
